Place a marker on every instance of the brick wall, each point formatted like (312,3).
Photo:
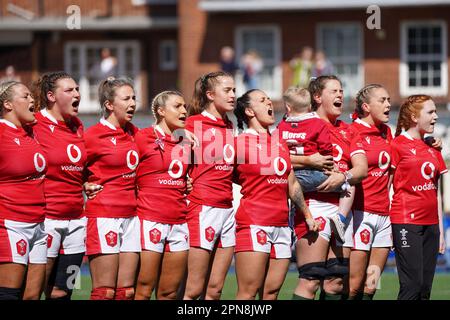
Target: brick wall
(201,36)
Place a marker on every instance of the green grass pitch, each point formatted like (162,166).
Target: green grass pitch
(388,290)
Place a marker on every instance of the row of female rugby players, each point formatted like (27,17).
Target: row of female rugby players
(155,236)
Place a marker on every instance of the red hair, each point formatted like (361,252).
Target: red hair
(411,106)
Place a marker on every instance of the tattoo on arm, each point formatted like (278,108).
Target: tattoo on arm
(297,197)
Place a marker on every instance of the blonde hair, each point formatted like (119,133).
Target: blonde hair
(297,98)
(107,90)
(6,92)
(159,101)
(411,106)
(363,96)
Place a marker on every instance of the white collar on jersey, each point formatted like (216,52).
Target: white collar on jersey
(108,124)
(46,114)
(160,130)
(208,115)
(407,135)
(306,116)
(251,131)
(8,123)
(363,123)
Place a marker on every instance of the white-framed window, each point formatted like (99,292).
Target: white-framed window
(159,2)
(168,55)
(265,40)
(423,65)
(342,44)
(90,62)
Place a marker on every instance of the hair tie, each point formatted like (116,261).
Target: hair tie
(111,78)
(354,115)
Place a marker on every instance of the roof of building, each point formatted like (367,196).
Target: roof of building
(283,5)
(89,23)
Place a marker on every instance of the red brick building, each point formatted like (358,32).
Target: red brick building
(409,54)
(36,36)
(166,44)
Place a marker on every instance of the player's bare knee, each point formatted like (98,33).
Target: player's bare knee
(214,291)
(58,293)
(166,294)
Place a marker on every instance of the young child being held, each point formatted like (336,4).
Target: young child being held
(306,134)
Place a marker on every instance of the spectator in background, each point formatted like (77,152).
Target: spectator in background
(107,67)
(10,75)
(301,65)
(251,65)
(227,60)
(322,66)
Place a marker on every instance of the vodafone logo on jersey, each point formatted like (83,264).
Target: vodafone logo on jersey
(39,162)
(427,170)
(175,169)
(132,159)
(71,150)
(228,153)
(279,166)
(384,159)
(337,152)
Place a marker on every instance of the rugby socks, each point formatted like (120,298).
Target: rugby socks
(297,297)
(9,293)
(330,296)
(102,293)
(124,293)
(368,296)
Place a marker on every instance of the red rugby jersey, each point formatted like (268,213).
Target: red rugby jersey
(372,195)
(346,143)
(112,159)
(417,170)
(22,171)
(64,149)
(212,169)
(161,176)
(310,132)
(262,171)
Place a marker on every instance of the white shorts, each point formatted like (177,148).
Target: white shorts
(160,237)
(113,235)
(320,212)
(208,224)
(348,236)
(22,242)
(65,236)
(371,231)
(276,241)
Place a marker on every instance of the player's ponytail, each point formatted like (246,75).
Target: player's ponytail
(242,103)
(316,86)
(159,101)
(363,96)
(411,106)
(47,82)
(107,91)
(203,84)
(6,92)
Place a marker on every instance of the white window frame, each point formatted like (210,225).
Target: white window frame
(150,2)
(166,65)
(90,106)
(405,89)
(361,70)
(276,92)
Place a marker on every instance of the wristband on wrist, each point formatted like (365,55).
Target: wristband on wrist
(348,175)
